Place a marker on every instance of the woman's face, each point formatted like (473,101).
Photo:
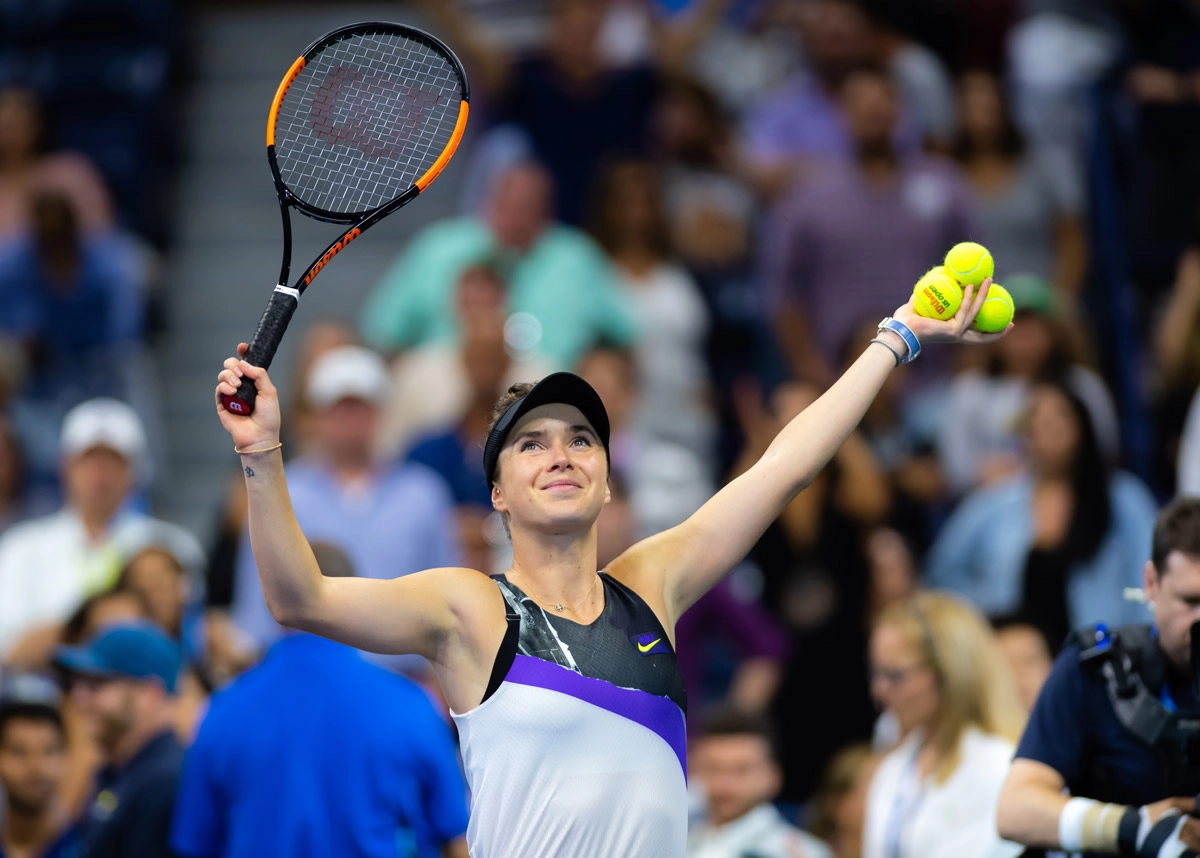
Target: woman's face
(902,680)
(552,472)
(160,582)
(979,106)
(1026,348)
(1052,435)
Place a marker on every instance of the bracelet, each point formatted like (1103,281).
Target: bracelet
(906,334)
(889,347)
(263,450)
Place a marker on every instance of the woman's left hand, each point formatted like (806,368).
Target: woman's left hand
(956,329)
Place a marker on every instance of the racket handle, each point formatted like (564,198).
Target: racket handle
(266,340)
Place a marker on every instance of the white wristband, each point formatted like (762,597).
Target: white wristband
(1086,825)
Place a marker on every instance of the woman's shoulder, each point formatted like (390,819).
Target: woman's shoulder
(984,747)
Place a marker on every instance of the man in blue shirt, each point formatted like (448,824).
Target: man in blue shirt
(1110,760)
(315,752)
(122,684)
(33,760)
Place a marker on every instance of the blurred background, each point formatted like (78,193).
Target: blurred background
(702,206)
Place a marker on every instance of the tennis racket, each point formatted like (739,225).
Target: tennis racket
(364,120)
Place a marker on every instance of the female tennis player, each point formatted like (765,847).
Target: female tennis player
(561,678)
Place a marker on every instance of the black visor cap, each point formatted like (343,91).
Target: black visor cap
(564,388)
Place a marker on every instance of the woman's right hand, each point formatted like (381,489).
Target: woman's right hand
(261,428)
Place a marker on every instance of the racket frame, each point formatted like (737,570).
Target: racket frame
(285,299)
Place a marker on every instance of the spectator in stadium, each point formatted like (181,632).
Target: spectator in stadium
(36,822)
(391,518)
(840,803)
(1028,202)
(573,107)
(834,248)
(936,668)
(793,131)
(414,408)
(156,576)
(48,565)
(1059,541)
(923,80)
(27,167)
(317,752)
(629,221)
(979,439)
(1028,653)
(319,338)
(123,682)
(734,759)
(561,293)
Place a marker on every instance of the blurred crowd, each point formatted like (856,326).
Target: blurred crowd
(704,207)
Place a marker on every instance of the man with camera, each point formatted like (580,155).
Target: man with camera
(1110,760)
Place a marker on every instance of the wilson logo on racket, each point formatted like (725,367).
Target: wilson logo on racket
(330,253)
(363,121)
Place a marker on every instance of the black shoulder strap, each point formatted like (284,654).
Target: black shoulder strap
(507,652)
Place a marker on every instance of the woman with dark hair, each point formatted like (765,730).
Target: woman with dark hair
(1060,541)
(979,440)
(1029,207)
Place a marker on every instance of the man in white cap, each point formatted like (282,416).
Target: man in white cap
(49,565)
(390,518)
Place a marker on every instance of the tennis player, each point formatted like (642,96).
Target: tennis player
(561,678)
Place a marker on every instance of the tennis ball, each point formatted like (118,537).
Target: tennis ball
(968,262)
(937,295)
(996,312)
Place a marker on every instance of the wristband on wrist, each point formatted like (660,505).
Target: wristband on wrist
(1086,825)
(260,450)
(906,334)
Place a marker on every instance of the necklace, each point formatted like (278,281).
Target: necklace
(559,606)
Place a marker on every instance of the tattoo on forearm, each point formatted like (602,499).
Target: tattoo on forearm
(249,471)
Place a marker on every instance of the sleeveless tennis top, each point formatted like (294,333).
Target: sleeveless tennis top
(578,748)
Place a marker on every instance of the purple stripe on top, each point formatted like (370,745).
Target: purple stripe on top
(659,714)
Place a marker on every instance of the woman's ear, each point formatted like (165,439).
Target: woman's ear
(498,503)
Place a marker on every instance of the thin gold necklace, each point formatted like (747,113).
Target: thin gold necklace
(559,606)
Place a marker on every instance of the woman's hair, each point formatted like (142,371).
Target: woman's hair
(1011,143)
(1088,473)
(604,219)
(975,684)
(517,391)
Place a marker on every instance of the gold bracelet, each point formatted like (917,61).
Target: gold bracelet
(263,450)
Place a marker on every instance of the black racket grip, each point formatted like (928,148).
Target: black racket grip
(266,340)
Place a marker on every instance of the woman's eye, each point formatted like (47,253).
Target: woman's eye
(582,440)
(527,445)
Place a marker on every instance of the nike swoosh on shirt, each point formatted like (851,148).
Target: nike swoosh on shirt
(649,646)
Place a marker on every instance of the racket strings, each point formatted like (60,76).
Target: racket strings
(364,119)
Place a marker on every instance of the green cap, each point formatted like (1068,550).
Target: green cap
(1033,293)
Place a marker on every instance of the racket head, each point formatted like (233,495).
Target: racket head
(365,119)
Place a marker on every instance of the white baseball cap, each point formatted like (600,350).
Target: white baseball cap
(106,423)
(347,372)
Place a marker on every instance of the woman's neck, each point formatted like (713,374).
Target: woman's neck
(558,570)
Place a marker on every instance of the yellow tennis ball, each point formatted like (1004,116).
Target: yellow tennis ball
(937,295)
(996,311)
(968,262)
